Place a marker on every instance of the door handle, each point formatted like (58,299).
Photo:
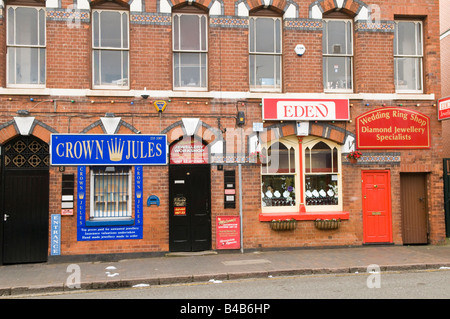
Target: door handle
(5,217)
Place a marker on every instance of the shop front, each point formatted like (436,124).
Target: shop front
(301,173)
(364,172)
(110,180)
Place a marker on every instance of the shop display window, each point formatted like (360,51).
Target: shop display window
(278,175)
(320,181)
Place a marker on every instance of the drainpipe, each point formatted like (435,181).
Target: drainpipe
(240,208)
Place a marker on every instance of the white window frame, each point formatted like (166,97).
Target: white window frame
(97,215)
(179,51)
(326,55)
(122,49)
(10,43)
(253,52)
(310,143)
(292,143)
(417,56)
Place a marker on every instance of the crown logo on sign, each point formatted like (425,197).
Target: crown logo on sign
(115,150)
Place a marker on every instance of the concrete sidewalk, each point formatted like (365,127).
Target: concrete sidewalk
(209,266)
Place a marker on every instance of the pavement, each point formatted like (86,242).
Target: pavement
(216,266)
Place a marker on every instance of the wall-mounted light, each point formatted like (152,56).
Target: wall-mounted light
(145,95)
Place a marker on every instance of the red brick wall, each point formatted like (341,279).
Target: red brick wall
(69,67)
(373,48)
(150,57)
(65,57)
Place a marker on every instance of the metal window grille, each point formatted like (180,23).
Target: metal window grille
(111,190)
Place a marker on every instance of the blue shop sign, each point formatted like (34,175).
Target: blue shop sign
(101,149)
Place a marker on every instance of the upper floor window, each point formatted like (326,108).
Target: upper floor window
(337,46)
(265,53)
(190,51)
(25,46)
(110,49)
(408,55)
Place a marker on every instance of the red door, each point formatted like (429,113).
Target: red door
(377,221)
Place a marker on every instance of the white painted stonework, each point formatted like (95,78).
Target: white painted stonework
(190,125)
(110,124)
(24,124)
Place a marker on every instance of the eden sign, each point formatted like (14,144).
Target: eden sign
(118,149)
(306,109)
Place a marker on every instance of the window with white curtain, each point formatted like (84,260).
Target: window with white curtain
(190,51)
(408,56)
(337,48)
(110,49)
(26,46)
(265,53)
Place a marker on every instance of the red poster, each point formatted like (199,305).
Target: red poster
(228,232)
(188,151)
(393,128)
(444,108)
(179,211)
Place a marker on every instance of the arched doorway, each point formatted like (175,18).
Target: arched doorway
(25,200)
(189,196)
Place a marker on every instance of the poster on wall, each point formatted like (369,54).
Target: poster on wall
(228,232)
(393,128)
(444,108)
(189,151)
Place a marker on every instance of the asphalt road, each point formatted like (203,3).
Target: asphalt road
(431,284)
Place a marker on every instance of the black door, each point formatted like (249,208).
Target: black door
(189,209)
(25,201)
(447,195)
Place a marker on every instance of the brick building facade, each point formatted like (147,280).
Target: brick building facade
(274,94)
